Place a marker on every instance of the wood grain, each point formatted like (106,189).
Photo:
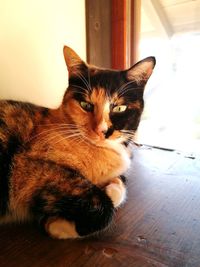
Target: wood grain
(135,31)
(98,28)
(158,226)
(119,34)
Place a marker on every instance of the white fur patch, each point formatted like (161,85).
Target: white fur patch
(122,151)
(106,109)
(102,127)
(117,192)
(62,229)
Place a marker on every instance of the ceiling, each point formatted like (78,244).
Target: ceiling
(169,17)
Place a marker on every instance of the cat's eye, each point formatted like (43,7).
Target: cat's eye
(87,106)
(119,109)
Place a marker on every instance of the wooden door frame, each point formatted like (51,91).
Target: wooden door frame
(119,31)
(112,28)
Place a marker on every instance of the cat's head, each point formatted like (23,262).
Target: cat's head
(103,103)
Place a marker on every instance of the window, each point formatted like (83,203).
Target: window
(170,30)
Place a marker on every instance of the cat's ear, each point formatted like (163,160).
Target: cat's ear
(74,63)
(141,71)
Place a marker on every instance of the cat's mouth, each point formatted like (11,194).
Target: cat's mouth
(109,132)
(102,135)
(118,136)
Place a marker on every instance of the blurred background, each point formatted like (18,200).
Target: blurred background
(170,30)
(109,33)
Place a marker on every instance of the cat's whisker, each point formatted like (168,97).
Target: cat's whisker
(124,86)
(81,93)
(85,139)
(47,133)
(83,79)
(61,124)
(127,132)
(129,135)
(63,127)
(59,140)
(125,90)
(108,94)
(89,85)
(79,140)
(80,75)
(89,79)
(131,139)
(64,138)
(55,128)
(49,140)
(80,87)
(83,136)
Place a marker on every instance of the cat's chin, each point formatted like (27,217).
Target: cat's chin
(101,140)
(116,145)
(109,141)
(120,149)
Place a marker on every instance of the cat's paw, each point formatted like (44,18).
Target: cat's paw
(116,190)
(60,228)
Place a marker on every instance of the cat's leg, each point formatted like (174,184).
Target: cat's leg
(94,219)
(84,211)
(60,228)
(116,190)
(73,216)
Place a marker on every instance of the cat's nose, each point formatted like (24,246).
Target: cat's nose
(102,129)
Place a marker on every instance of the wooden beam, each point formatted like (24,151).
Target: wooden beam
(163,17)
(135,29)
(113,28)
(160,22)
(98,30)
(119,34)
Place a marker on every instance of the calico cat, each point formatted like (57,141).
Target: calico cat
(63,167)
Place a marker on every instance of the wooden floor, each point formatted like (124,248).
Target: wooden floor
(158,226)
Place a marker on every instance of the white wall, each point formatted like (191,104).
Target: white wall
(32,35)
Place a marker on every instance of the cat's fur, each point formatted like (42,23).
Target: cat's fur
(62,167)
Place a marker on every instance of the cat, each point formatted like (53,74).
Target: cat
(63,168)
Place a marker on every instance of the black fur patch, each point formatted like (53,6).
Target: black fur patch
(127,120)
(6,156)
(108,79)
(2,124)
(123,178)
(91,211)
(28,107)
(45,112)
(96,212)
(109,132)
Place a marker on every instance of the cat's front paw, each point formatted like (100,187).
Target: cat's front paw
(60,228)
(116,190)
